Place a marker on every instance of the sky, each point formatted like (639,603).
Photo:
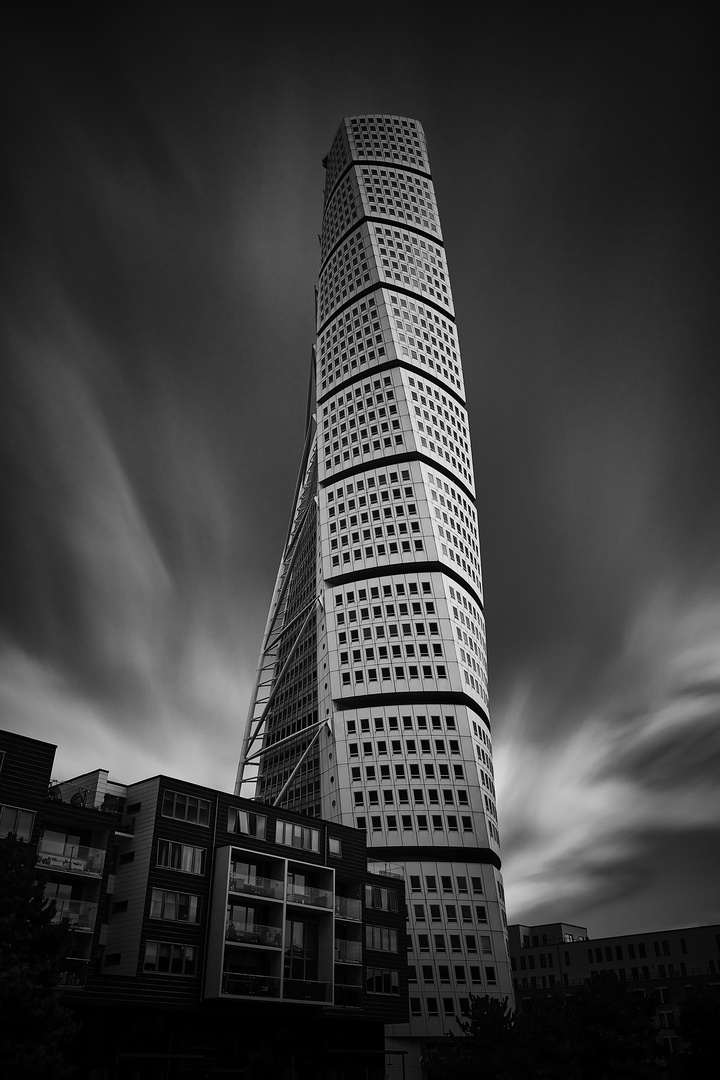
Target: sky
(161,204)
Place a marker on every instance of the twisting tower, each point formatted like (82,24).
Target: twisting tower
(371,702)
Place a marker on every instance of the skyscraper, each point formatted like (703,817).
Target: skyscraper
(371,703)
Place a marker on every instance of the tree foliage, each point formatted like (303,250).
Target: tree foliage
(699,1030)
(35,1027)
(602,1032)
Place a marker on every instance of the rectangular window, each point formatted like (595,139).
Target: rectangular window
(174,906)
(191,860)
(169,958)
(381,981)
(380,898)
(297,836)
(247,823)
(16,822)
(186,808)
(381,939)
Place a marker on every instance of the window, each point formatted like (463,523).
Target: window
(381,939)
(250,824)
(162,956)
(191,860)
(186,808)
(380,898)
(298,836)
(381,981)
(16,822)
(174,906)
(334,846)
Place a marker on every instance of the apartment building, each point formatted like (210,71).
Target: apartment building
(210,923)
(665,966)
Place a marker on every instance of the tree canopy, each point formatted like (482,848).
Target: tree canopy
(35,1027)
(600,1032)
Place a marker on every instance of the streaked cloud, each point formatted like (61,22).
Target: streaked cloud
(580,799)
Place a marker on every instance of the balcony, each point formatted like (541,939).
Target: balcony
(73,972)
(256,886)
(348,997)
(305,894)
(80,914)
(302,990)
(348,952)
(250,985)
(254,935)
(71,858)
(347,908)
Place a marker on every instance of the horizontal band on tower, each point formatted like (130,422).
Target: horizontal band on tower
(394,569)
(375,701)
(482,855)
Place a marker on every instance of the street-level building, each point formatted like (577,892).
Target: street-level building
(213,923)
(665,966)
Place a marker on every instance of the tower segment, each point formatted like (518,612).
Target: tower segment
(371,701)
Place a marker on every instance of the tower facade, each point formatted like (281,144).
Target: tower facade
(371,703)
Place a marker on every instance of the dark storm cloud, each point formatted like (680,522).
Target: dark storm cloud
(161,206)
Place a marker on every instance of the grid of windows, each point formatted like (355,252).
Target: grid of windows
(357,337)
(174,906)
(247,823)
(171,959)
(381,981)
(381,938)
(348,271)
(341,212)
(410,260)
(392,137)
(380,898)
(426,338)
(298,836)
(186,808)
(14,821)
(174,856)
(398,564)
(397,193)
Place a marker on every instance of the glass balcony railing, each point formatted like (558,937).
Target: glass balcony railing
(256,886)
(250,985)
(347,908)
(348,952)
(305,894)
(78,913)
(348,997)
(254,935)
(73,972)
(71,858)
(302,990)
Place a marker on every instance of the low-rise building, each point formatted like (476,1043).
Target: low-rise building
(251,934)
(665,966)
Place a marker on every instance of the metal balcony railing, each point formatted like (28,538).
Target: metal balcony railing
(71,858)
(79,913)
(348,952)
(256,886)
(305,894)
(256,934)
(348,997)
(304,990)
(73,972)
(347,908)
(250,985)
